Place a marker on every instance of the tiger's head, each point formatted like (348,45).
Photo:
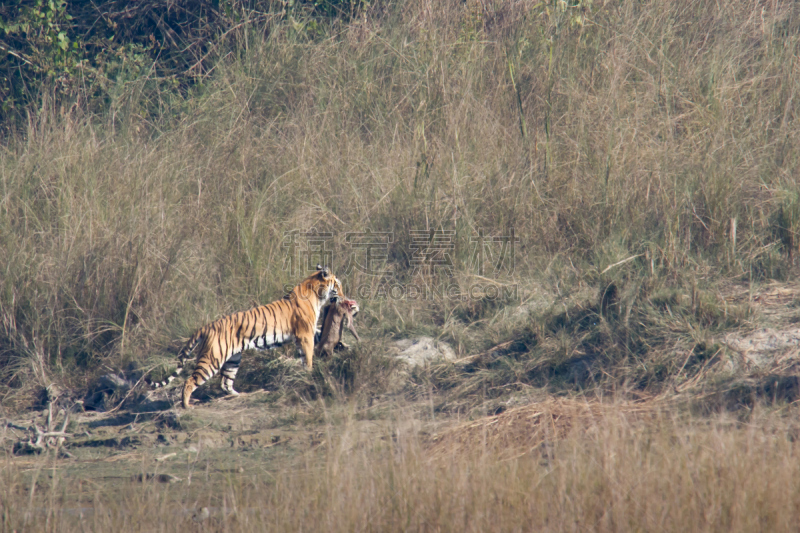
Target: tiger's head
(322,286)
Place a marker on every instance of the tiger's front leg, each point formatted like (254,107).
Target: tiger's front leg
(228,371)
(305,345)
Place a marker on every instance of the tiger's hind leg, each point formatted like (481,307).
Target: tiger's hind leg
(201,374)
(229,370)
(188,389)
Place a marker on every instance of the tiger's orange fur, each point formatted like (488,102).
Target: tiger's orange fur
(294,317)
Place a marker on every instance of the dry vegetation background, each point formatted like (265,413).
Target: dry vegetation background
(661,131)
(597,134)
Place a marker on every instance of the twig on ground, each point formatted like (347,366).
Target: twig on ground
(44,439)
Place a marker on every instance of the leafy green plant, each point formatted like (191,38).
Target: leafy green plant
(37,49)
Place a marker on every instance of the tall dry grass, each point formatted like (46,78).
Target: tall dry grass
(610,472)
(598,133)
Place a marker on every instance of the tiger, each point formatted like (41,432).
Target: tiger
(293,317)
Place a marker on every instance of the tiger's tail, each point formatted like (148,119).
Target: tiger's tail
(182,356)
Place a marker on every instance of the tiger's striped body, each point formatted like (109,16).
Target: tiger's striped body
(294,317)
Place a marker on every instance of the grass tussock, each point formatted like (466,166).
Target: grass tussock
(641,336)
(659,131)
(355,373)
(602,470)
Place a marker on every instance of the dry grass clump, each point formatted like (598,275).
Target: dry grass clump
(602,471)
(361,371)
(527,428)
(641,336)
(655,131)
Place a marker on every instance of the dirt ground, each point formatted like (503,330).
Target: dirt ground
(241,437)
